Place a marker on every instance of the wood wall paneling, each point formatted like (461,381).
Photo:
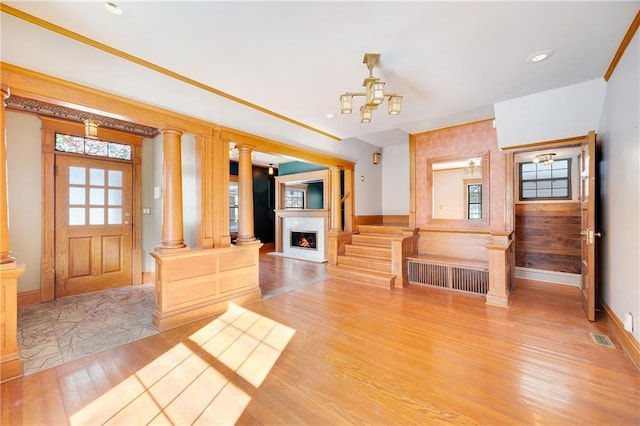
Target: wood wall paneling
(548,236)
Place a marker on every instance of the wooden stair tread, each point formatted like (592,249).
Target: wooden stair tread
(369,257)
(363,276)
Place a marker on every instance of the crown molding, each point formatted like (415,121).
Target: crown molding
(19,103)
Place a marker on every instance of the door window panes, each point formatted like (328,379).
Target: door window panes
(95,202)
(115,178)
(76,216)
(115,216)
(96,196)
(76,195)
(77,175)
(96,177)
(96,216)
(115,197)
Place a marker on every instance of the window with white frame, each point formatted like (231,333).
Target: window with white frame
(540,181)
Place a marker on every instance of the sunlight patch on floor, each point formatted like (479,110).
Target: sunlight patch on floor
(182,386)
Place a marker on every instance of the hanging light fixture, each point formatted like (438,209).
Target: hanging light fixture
(473,168)
(374,94)
(546,159)
(90,129)
(270,169)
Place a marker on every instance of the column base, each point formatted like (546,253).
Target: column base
(500,301)
(10,367)
(169,250)
(254,241)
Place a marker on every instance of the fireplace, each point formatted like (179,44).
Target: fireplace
(304,239)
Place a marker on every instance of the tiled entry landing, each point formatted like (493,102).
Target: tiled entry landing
(52,333)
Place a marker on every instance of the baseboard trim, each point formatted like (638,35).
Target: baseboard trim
(548,276)
(629,344)
(27,298)
(148,277)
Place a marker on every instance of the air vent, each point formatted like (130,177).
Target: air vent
(602,340)
(456,277)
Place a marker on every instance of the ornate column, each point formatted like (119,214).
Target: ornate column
(245,197)
(336,200)
(10,363)
(172,226)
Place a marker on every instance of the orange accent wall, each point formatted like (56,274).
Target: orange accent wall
(462,140)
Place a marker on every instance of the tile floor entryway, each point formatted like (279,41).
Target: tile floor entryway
(53,333)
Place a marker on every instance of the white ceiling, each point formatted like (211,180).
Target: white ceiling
(451,61)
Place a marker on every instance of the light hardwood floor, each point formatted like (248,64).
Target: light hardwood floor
(331,352)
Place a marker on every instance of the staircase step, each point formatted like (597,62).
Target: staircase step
(365,262)
(363,276)
(387,229)
(368,250)
(381,240)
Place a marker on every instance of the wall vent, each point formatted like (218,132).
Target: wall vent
(456,277)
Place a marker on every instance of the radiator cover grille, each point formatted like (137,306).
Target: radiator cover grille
(456,277)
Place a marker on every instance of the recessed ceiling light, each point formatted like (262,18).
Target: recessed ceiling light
(540,56)
(113,8)
(329,115)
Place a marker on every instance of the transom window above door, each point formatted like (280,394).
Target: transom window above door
(98,148)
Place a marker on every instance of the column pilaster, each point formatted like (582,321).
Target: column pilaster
(172,223)
(6,260)
(245,197)
(336,201)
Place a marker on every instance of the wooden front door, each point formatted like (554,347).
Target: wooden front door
(93,225)
(588,223)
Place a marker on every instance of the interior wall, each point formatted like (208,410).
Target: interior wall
(619,136)
(24,185)
(551,115)
(462,141)
(395,180)
(367,184)
(156,208)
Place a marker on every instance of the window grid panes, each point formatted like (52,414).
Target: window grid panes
(474,201)
(78,145)
(94,200)
(545,181)
(294,199)
(233,207)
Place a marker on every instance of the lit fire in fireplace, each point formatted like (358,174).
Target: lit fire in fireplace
(304,239)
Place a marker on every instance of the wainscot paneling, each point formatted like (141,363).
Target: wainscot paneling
(548,236)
